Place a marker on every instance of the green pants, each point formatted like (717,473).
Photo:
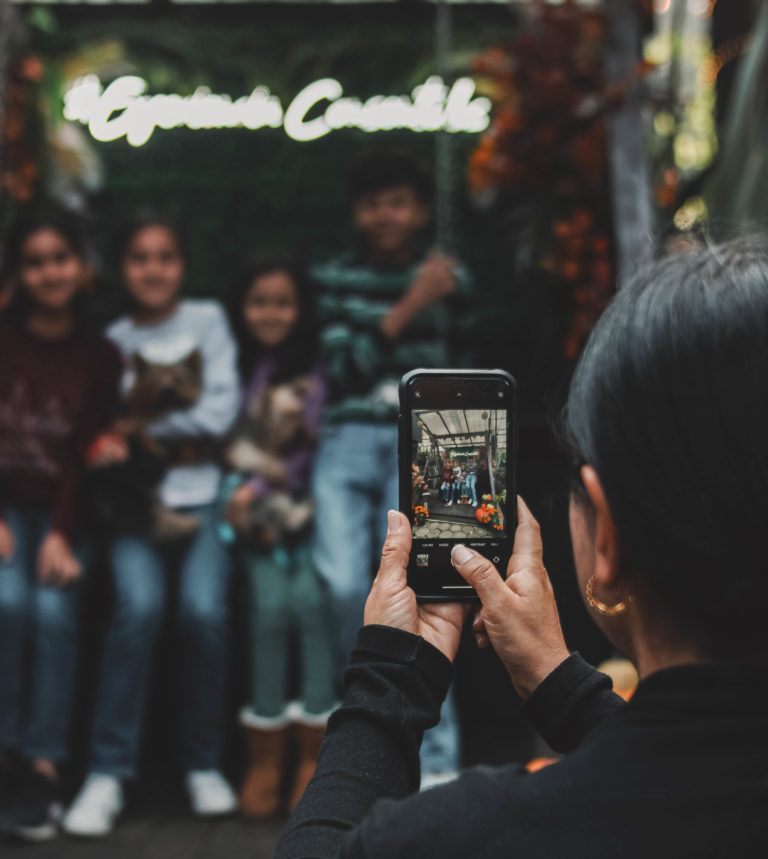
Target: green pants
(285,593)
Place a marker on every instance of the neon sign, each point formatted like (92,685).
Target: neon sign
(123,109)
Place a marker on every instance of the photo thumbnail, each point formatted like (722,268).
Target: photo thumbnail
(458,473)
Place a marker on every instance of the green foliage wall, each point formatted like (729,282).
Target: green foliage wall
(238,191)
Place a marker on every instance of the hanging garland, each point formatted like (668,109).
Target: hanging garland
(547,143)
(21,140)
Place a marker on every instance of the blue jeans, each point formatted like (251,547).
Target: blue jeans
(140,577)
(472,487)
(38,646)
(355,483)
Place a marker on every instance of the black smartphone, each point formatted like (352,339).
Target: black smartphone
(457,463)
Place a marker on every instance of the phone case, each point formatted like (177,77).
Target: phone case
(404,456)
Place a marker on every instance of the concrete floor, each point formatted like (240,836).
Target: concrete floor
(160,827)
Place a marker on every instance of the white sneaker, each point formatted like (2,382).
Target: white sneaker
(474,503)
(96,807)
(449,504)
(435,779)
(210,793)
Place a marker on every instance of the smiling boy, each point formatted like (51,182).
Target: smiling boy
(385,309)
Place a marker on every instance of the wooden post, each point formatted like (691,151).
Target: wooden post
(5,65)
(628,161)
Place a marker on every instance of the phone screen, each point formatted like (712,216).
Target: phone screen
(456,473)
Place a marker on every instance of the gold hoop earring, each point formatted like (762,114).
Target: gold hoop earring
(603,608)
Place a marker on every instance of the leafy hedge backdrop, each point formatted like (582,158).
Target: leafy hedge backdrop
(238,190)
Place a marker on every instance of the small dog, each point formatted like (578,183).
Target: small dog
(266,433)
(124,494)
(161,388)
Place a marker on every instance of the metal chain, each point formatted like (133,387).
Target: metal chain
(444,141)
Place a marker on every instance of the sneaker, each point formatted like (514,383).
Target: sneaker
(10,773)
(34,813)
(96,808)
(449,504)
(474,503)
(435,779)
(210,793)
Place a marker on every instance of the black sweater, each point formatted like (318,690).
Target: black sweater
(680,771)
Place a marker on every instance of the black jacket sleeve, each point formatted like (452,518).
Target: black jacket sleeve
(394,686)
(573,700)
(362,801)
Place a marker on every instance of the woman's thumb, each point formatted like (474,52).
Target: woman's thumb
(479,572)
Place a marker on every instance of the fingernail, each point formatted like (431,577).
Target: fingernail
(394,522)
(460,554)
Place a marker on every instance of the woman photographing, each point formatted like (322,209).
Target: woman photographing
(668,420)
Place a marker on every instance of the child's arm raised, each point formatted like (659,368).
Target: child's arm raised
(434,281)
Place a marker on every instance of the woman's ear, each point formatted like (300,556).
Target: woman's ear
(607,546)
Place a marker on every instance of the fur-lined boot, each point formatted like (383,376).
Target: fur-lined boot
(308,733)
(266,740)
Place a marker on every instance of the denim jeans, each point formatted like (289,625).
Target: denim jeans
(286,593)
(472,487)
(38,646)
(141,578)
(355,483)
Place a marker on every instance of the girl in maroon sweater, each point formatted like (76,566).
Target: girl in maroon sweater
(58,384)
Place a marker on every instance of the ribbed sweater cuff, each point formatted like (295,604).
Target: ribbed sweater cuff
(396,645)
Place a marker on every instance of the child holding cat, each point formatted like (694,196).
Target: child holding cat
(272,315)
(162,328)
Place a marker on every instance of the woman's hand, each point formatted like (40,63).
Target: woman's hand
(7,543)
(518,617)
(56,565)
(392,603)
(238,512)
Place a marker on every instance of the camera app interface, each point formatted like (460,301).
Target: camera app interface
(458,470)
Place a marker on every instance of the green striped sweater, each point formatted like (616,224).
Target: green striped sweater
(364,367)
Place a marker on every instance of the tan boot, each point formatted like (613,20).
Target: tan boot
(308,741)
(260,790)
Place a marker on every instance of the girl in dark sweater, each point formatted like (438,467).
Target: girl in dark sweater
(58,385)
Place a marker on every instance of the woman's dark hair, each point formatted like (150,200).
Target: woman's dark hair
(27,224)
(380,168)
(298,353)
(669,404)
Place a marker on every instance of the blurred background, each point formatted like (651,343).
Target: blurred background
(609,130)
(600,135)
